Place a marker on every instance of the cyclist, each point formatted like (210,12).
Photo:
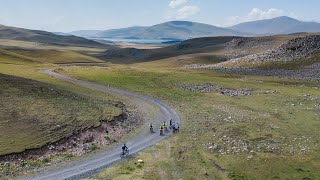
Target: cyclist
(124,149)
(161,130)
(151,128)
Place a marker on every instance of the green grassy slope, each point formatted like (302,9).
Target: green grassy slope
(8,57)
(34,113)
(31,55)
(54,56)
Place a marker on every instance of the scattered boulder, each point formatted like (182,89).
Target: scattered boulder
(296,49)
(308,73)
(207,87)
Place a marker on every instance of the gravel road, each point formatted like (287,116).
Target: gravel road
(138,142)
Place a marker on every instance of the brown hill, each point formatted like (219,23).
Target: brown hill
(43,37)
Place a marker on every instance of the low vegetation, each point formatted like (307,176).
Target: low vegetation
(55,56)
(7,57)
(23,56)
(271,133)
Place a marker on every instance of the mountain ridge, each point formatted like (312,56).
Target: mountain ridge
(44,37)
(172,30)
(278,25)
(183,30)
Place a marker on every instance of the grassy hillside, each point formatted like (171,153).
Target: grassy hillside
(54,56)
(8,57)
(34,113)
(193,46)
(271,134)
(21,52)
(36,109)
(223,48)
(5,43)
(42,37)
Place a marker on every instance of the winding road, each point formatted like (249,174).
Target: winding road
(140,141)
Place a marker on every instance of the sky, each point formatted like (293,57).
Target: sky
(71,15)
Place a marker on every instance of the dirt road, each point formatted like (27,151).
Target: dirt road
(141,140)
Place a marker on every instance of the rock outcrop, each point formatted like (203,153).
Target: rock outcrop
(294,49)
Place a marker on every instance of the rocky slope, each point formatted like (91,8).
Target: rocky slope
(240,47)
(308,73)
(298,58)
(295,49)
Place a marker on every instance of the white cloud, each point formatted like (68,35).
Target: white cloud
(255,14)
(187,11)
(181,9)
(258,14)
(177,3)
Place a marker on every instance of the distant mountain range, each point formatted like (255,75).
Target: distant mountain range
(279,25)
(182,30)
(43,37)
(173,30)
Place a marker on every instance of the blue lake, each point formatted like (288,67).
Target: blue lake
(140,41)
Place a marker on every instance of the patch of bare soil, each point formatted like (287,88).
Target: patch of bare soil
(215,165)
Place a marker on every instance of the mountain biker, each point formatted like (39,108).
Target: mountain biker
(161,130)
(173,125)
(124,149)
(151,127)
(165,126)
(170,123)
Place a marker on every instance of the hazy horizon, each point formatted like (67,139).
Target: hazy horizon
(62,16)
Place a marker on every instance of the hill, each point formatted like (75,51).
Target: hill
(43,37)
(294,53)
(279,25)
(173,30)
(14,55)
(192,46)
(7,57)
(209,49)
(34,113)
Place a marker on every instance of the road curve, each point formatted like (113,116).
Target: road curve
(93,164)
